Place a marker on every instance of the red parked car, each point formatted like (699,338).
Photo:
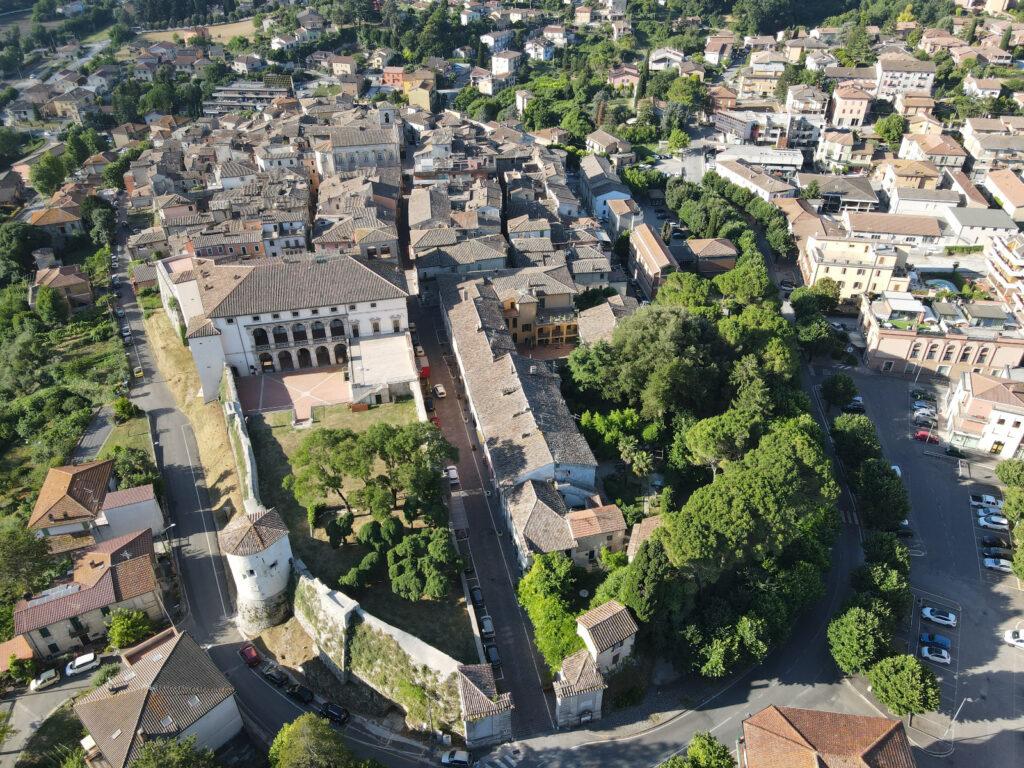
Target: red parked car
(437,421)
(249,654)
(925,436)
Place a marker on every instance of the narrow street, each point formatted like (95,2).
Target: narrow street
(495,568)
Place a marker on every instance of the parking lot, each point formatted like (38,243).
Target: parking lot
(948,572)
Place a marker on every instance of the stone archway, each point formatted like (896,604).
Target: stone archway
(299,332)
(267,362)
(340,354)
(318,331)
(337,329)
(305,359)
(323,357)
(281,335)
(285,359)
(260,338)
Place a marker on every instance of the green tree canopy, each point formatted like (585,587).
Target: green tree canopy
(855,439)
(126,628)
(881,496)
(309,741)
(905,685)
(839,389)
(891,128)
(51,305)
(857,639)
(174,753)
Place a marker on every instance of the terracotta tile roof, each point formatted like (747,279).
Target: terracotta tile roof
(169,685)
(715,246)
(595,521)
(579,674)
(234,289)
(479,695)
(106,578)
(996,390)
(72,493)
(651,249)
(641,532)
(608,624)
(61,277)
(782,737)
(18,647)
(123,498)
(894,223)
(50,216)
(1008,185)
(252,532)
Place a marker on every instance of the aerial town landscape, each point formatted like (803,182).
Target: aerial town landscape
(511,384)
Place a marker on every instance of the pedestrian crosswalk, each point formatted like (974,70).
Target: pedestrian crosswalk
(850,516)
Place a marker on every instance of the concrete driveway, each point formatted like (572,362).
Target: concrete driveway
(31,708)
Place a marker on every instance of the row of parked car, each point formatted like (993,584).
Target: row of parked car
(936,648)
(77,666)
(486,625)
(329,710)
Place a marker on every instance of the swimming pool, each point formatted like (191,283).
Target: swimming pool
(942,285)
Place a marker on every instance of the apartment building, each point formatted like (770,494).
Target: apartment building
(986,413)
(903,335)
(857,266)
(942,151)
(755,179)
(849,108)
(1004,262)
(902,73)
(758,80)
(650,261)
(1007,191)
(895,228)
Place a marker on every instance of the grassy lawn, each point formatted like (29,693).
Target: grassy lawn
(207,419)
(56,738)
(220,33)
(131,434)
(443,624)
(96,37)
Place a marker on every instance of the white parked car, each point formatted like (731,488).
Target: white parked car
(938,616)
(998,564)
(1015,637)
(994,523)
(45,680)
(457,757)
(935,654)
(439,391)
(83,663)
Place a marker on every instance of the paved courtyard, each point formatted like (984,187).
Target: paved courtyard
(300,391)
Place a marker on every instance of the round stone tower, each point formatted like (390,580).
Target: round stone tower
(260,557)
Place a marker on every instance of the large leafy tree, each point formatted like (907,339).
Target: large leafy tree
(855,439)
(309,741)
(48,174)
(17,241)
(126,628)
(325,460)
(838,389)
(720,438)
(857,639)
(50,305)
(423,565)
(905,685)
(544,593)
(881,496)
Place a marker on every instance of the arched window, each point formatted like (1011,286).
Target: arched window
(318,330)
(259,337)
(915,351)
(280,335)
(337,329)
(966,354)
(299,332)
